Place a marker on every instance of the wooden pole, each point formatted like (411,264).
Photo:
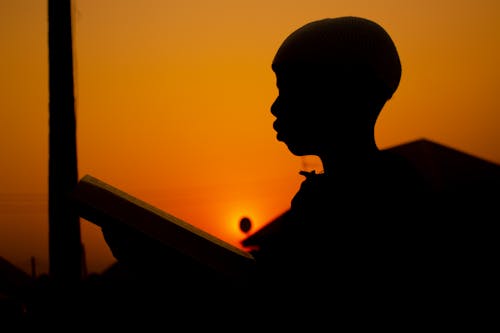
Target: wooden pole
(65,257)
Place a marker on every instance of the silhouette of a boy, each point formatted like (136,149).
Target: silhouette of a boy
(368,235)
(355,224)
(358,238)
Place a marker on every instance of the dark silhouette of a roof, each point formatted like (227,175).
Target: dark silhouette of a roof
(445,169)
(12,278)
(449,169)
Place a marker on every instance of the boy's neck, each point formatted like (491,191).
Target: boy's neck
(356,158)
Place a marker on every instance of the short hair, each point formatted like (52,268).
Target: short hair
(347,45)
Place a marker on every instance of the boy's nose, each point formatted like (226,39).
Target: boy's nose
(275,107)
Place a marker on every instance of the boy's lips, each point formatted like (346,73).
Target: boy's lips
(280,133)
(277,128)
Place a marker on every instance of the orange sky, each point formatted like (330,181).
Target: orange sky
(173,97)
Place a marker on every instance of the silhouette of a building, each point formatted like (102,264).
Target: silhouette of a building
(14,284)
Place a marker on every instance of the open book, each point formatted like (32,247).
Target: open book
(101,203)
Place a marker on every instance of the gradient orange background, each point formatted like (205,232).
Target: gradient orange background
(173,97)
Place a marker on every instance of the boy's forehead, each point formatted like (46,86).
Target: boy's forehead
(307,73)
(292,74)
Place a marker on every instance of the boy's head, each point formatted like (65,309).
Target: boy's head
(334,75)
(350,48)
